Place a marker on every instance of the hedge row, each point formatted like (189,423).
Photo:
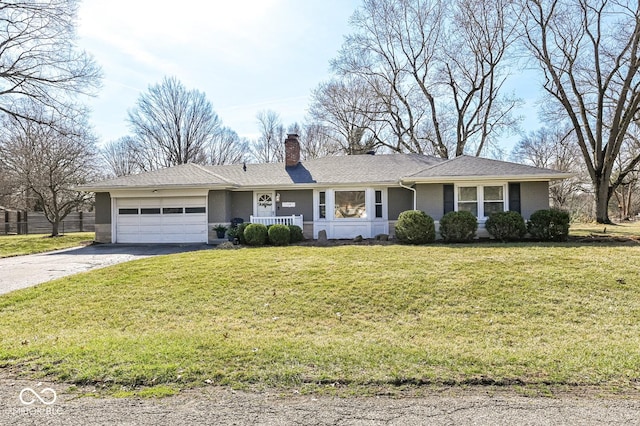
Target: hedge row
(257,234)
(416,227)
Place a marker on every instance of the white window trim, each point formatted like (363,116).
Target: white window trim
(370,202)
(480,195)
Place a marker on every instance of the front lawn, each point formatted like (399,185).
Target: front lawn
(361,318)
(16,245)
(622,229)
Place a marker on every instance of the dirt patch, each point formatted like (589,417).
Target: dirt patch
(604,238)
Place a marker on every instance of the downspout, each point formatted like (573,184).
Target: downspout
(415,202)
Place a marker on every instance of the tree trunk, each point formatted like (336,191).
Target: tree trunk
(54,228)
(602,200)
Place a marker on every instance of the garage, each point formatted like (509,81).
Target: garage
(161,220)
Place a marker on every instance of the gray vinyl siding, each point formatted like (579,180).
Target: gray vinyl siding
(103,208)
(303,200)
(219,207)
(400,199)
(241,205)
(533,196)
(430,199)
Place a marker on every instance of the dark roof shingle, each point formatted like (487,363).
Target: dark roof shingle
(339,170)
(467,166)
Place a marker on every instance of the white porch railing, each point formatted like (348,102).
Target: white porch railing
(277,220)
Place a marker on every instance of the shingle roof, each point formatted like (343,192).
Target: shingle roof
(340,170)
(187,175)
(351,169)
(470,167)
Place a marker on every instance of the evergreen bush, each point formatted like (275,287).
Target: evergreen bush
(415,227)
(458,227)
(241,227)
(255,234)
(549,225)
(279,235)
(296,233)
(506,226)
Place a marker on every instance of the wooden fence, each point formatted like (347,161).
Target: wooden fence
(21,222)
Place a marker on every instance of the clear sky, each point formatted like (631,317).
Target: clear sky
(247,55)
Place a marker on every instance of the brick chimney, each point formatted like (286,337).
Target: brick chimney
(292,150)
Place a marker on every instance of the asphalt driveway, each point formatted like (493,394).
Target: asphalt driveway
(219,406)
(26,271)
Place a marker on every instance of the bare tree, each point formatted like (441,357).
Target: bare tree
(39,60)
(555,148)
(627,194)
(346,110)
(119,157)
(8,188)
(228,148)
(47,163)
(588,52)
(172,125)
(269,148)
(436,68)
(315,142)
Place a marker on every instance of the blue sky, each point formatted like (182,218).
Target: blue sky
(247,56)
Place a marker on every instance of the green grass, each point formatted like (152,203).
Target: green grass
(623,229)
(363,317)
(17,245)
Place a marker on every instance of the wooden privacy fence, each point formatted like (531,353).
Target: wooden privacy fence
(21,222)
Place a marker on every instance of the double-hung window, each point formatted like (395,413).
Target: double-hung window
(481,200)
(378,204)
(322,205)
(468,199)
(493,197)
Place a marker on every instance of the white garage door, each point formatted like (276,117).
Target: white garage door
(161,220)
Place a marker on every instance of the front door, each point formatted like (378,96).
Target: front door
(265,204)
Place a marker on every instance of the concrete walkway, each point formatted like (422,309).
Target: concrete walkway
(26,271)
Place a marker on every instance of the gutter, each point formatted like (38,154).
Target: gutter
(501,178)
(415,195)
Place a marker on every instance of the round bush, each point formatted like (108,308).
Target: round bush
(296,233)
(458,227)
(279,235)
(255,234)
(241,227)
(549,225)
(415,227)
(506,226)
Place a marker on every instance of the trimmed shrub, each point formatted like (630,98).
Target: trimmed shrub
(279,235)
(255,234)
(232,233)
(549,225)
(415,227)
(241,227)
(296,233)
(506,226)
(458,227)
